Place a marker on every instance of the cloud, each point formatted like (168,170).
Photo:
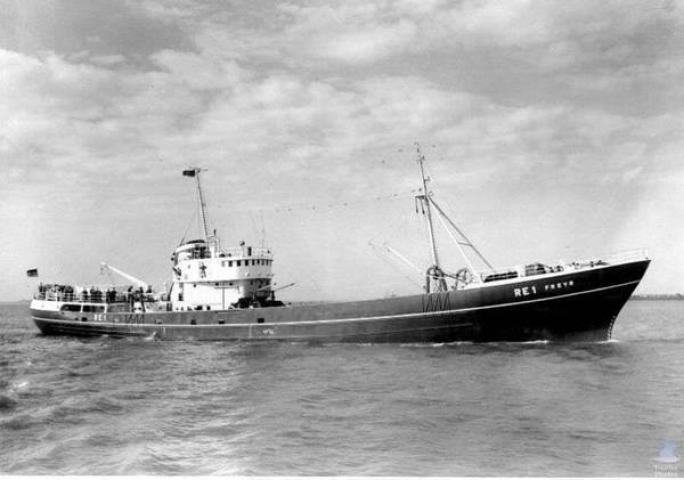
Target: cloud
(199,72)
(516,52)
(118,117)
(353,33)
(366,45)
(108,60)
(572,106)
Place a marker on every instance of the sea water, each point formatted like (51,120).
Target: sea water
(131,406)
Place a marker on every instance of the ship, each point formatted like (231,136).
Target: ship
(228,294)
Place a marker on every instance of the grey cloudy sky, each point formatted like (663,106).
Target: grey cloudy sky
(553,129)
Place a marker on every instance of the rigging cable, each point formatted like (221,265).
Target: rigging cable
(185,233)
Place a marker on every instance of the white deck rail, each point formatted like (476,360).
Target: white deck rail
(528,270)
(246,252)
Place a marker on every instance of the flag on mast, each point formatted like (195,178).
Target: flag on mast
(32,272)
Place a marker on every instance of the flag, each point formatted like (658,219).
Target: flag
(33,272)
(189,173)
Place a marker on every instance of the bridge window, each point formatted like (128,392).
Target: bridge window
(260,320)
(230,263)
(237,263)
(93,308)
(70,307)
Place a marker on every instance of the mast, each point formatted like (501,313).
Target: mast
(434,272)
(203,206)
(195,172)
(426,204)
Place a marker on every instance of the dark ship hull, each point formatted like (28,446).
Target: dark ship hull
(570,306)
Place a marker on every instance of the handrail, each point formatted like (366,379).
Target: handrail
(243,251)
(625,256)
(96,297)
(609,259)
(232,252)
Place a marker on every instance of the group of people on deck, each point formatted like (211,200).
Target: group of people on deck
(59,291)
(92,294)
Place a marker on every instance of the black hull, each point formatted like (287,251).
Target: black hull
(576,306)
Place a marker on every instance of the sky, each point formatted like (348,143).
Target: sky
(551,130)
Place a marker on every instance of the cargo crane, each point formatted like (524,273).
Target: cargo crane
(105,267)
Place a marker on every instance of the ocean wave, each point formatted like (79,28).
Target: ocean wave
(7,402)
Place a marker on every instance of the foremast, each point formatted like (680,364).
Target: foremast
(435,277)
(434,272)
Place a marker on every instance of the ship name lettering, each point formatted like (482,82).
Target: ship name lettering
(525,291)
(559,285)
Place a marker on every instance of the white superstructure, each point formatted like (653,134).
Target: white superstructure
(208,277)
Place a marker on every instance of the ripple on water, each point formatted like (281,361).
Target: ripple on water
(127,406)
(8,403)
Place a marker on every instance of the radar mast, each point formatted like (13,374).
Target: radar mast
(195,172)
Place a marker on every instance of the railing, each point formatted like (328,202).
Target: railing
(233,252)
(560,266)
(625,256)
(246,252)
(94,297)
